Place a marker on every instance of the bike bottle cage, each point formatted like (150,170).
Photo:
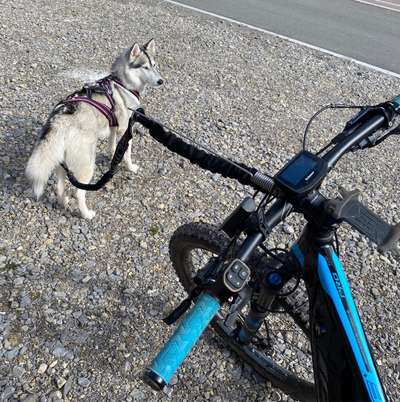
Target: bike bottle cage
(348,208)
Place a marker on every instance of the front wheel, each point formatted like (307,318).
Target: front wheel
(281,352)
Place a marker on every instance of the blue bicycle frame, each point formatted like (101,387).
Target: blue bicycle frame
(344,369)
(347,328)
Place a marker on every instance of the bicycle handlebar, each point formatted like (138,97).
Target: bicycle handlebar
(380,117)
(368,128)
(206,306)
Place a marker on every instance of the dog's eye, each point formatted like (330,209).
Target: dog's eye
(146,68)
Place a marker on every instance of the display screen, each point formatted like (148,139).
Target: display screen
(298,170)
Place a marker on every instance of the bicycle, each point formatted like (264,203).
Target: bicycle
(243,287)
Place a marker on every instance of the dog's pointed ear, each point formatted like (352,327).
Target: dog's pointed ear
(135,51)
(150,47)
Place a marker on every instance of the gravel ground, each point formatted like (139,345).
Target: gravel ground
(81,302)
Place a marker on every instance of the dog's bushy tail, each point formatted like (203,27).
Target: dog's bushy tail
(47,154)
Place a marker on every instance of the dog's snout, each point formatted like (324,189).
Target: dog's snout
(160,81)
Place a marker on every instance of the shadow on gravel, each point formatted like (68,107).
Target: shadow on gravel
(17,137)
(100,323)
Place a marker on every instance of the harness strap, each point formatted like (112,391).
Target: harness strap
(102,86)
(104,109)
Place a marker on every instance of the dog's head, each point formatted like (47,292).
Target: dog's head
(137,67)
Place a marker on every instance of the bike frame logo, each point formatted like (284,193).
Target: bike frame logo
(338,285)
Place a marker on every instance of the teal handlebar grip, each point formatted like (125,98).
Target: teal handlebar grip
(182,341)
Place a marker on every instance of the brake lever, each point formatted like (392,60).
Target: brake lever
(241,299)
(349,209)
(387,110)
(377,139)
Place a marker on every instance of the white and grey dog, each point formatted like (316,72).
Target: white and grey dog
(71,132)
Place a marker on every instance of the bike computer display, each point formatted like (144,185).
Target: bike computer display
(302,173)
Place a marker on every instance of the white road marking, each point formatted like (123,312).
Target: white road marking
(388,5)
(320,49)
(393,2)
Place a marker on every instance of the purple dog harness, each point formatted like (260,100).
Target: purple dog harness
(103,87)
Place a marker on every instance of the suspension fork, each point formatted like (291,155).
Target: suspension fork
(274,282)
(270,285)
(255,318)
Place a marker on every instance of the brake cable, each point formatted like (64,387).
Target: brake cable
(330,106)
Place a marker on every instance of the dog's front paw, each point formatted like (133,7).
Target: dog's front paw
(133,167)
(89,214)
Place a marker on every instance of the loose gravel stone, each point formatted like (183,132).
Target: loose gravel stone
(18,371)
(288,228)
(237,373)
(60,351)
(55,396)
(42,368)
(138,395)
(83,382)
(60,382)
(7,393)
(375,292)
(67,387)
(12,354)
(30,398)
(86,279)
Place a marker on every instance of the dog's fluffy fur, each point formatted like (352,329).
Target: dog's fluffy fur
(71,132)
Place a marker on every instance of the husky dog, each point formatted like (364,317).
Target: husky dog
(71,132)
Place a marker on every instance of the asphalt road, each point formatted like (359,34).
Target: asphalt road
(361,31)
